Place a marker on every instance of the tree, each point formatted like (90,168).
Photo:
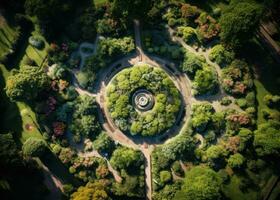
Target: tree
(8,150)
(26,83)
(34,147)
(103,143)
(239,23)
(205,81)
(267,139)
(125,158)
(165,176)
(96,191)
(236,161)
(130,8)
(201,183)
(215,156)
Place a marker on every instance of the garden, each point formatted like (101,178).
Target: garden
(152,99)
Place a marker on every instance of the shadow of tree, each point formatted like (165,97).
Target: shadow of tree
(10,115)
(58,169)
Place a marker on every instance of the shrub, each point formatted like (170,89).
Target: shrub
(242,103)
(34,147)
(205,81)
(187,33)
(236,161)
(236,79)
(192,63)
(220,55)
(226,101)
(271,101)
(165,177)
(36,41)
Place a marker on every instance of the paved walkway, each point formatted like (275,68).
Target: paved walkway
(183,83)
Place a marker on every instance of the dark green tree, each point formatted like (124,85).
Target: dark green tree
(201,183)
(239,23)
(26,83)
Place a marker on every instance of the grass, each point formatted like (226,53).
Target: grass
(100,2)
(17,115)
(7,35)
(36,54)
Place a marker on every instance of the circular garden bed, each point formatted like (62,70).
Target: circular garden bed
(143,100)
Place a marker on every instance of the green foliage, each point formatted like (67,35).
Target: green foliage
(131,186)
(246,138)
(188,34)
(205,81)
(26,83)
(220,55)
(163,113)
(84,120)
(165,177)
(215,152)
(239,23)
(201,115)
(8,150)
(125,158)
(192,63)
(34,147)
(180,147)
(96,190)
(271,100)
(103,143)
(130,8)
(236,161)
(201,183)
(267,139)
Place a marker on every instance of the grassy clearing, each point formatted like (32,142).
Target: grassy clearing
(8,34)
(17,115)
(100,2)
(37,55)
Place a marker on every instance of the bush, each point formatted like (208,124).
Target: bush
(37,42)
(34,147)
(226,101)
(236,79)
(192,63)
(242,103)
(221,56)
(165,177)
(271,101)
(205,81)
(236,161)
(188,34)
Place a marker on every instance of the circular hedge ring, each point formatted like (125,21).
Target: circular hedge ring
(143,100)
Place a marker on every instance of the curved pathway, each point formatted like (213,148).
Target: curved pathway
(183,83)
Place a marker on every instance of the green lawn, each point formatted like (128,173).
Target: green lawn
(99,2)
(7,36)
(18,115)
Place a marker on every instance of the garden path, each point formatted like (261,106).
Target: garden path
(182,81)
(95,153)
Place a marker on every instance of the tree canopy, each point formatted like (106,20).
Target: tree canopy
(239,22)
(26,83)
(201,183)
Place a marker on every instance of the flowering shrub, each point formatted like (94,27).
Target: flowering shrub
(58,128)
